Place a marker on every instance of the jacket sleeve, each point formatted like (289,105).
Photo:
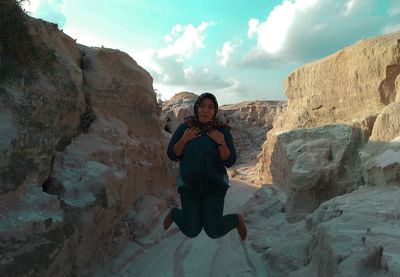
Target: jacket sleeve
(174,139)
(229,142)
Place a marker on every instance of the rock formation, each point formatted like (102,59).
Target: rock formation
(333,158)
(176,109)
(80,145)
(314,165)
(353,86)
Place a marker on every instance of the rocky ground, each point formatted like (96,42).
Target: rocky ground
(176,255)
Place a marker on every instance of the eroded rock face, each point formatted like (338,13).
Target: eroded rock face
(387,124)
(176,109)
(35,237)
(347,85)
(354,86)
(116,86)
(42,113)
(250,123)
(356,234)
(381,163)
(283,246)
(80,144)
(313,165)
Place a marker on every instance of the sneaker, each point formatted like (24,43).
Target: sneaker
(242,229)
(168,220)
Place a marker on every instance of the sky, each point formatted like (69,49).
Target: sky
(240,50)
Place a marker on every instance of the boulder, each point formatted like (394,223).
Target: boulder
(314,165)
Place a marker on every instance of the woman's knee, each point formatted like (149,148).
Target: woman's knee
(212,232)
(192,233)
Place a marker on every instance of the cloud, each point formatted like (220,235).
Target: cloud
(391,28)
(171,67)
(234,92)
(394,8)
(225,53)
(272,33)
(173,72)
(31,5)
(204,78)
(172,76)
(299,31)
(184,40)
(165,70)
(49,10)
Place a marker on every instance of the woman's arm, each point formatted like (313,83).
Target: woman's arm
(174,139)
(224,151)
(178,141)
(179,147)
(231,159)
(226,148)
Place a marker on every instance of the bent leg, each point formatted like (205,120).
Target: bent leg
(215,223)
(189,218)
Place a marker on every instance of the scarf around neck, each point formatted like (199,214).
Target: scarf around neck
(214,124)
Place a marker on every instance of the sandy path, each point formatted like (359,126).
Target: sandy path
(176,255)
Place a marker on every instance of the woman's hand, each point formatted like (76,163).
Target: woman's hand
(217,136)
(190,133)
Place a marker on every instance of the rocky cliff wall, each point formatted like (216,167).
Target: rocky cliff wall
(80,145)
(333,159)
(357,86)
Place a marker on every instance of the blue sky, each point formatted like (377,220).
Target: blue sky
(239,50)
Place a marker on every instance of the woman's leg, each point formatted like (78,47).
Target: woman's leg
(215,223)
(189,218)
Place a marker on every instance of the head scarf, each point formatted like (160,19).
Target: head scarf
(193,121)
(201,98)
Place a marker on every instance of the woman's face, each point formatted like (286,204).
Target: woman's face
(206,110)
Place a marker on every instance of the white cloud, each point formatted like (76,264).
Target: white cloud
(299,31)
(49,10)
(31,5)
(272,33)
(233,93)
(204,78)
(225,53)
(394,8)
(349,6)
(391,28)
(169,65)
(172,72)
(236,92)
(394,11)
(184,40)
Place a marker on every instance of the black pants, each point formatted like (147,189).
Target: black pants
(202,207)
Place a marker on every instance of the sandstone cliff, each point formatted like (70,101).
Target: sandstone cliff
(334,159)
(358,86)
(80,147)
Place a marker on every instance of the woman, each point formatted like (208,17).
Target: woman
(204,147)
